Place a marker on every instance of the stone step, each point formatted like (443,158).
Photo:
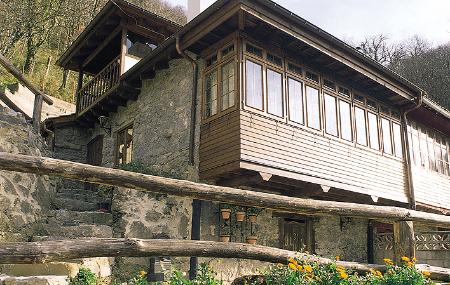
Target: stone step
(99,231)
(100,266)
(75,205)
(34,280)
(68,218)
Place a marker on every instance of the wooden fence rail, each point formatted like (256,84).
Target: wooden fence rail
(48,251)
(155,184)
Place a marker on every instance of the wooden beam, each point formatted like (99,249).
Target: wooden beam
(404,240)
(19,76)
(184,188)
(60,250)
(99,48)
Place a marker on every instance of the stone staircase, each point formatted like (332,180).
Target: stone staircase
(77,213)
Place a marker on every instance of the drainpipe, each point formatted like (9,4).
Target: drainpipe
(196,204)
(406,147)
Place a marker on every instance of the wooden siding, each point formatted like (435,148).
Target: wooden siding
(275,144)
(431,188)
(219,145)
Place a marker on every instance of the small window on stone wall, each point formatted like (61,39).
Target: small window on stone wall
(124,148)
(297,234)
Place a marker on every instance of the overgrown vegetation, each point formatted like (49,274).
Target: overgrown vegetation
(34,33)
(84,277)
(311,273)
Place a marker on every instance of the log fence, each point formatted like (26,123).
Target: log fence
(69,249)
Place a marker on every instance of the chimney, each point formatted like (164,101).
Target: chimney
(193,8)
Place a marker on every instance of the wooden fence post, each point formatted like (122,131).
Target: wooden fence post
(404,240)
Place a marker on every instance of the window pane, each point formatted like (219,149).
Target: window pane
(386,131)
(129,145)
(295,100)
(423,149)
(397,133)
(416,146)
(346,120)
(313,107)
(254,93)
(445,154)
(211,94)
(228,93)
(274,93)
(431,154)
(373,131)
(361,131)
(438,155)
(330,115)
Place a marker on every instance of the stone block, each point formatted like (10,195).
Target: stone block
(35,280)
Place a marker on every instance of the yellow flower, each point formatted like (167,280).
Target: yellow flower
(414,259)
(300,268)
(388,261)
(371,270)
(426,273)
(308,268)
(337,258)
(340,268)
(378,273)
(292,260)
(142,273)
(406,259)
(343,274)
(292,266)
(410,264)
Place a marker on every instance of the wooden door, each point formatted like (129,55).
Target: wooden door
(94,156)
(297,235)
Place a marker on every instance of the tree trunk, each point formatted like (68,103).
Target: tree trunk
(64,80)
(183,188)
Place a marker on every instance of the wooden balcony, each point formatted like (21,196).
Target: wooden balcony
(99,85)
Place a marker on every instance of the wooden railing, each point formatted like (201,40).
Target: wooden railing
(433,240)
(99,85)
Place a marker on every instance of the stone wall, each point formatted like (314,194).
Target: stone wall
(24,198)
(341,236)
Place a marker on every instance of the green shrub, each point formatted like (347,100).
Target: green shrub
(303,273)
(84,277)
(205,276)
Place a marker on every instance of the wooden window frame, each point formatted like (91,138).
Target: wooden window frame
(349,99)
(336,110)
(116,149)
(222,60)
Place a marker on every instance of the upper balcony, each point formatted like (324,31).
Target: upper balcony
(118,37)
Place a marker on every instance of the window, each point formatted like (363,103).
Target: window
(423,148)
(345,120)
(438,155)
(373,131)
(386,131)
(227,87)
(227,51)
(312,76)
(297,234)
(313,107)
(124,147)
(330,115)
(295,93)
(431,154)
(295,69)
(397,133)
(329,84)
(211,94)
(274,93)
(359,99)
(360,124)
(274,59)
(254,50)
(344,91)
(211,61)
(253,79)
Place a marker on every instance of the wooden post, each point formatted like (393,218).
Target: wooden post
(37,112)
(404,240)
(77,92)
(123,50)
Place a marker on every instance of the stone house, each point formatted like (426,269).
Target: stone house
(249,95)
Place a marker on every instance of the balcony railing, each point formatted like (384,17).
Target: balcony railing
(99,85)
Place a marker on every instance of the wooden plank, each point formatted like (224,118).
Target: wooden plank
(183,188)
(12,105)
(404,240)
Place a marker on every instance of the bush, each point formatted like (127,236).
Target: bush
(303,273)
(205,276)
(84,277)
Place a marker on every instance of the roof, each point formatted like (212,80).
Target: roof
(106,20)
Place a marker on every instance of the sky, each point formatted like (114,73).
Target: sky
(352,20)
